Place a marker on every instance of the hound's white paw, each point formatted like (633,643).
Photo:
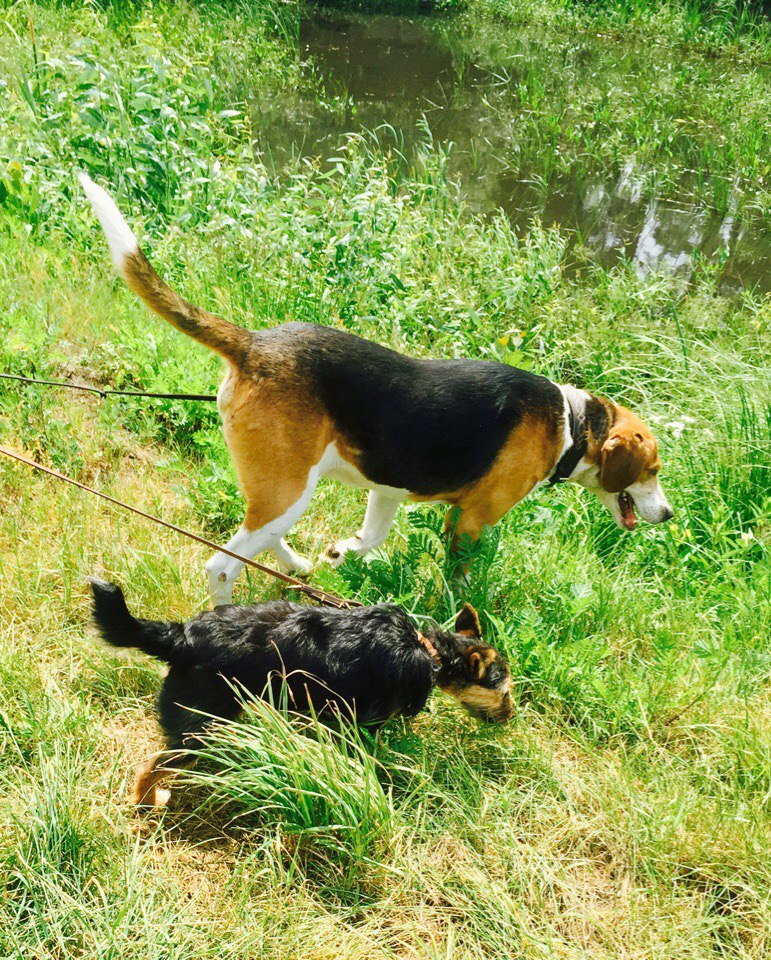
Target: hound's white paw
(299,567)
(336,553)
(289,561)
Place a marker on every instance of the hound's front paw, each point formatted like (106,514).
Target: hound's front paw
(336,553)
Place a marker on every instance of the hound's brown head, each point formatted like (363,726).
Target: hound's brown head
(622,468)
(471,670)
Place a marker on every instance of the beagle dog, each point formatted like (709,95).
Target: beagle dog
(301,401)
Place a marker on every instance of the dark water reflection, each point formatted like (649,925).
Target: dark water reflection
(398,70)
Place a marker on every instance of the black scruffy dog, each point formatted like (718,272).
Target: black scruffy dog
(369,663)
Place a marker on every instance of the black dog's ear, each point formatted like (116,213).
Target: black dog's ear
(478,659)
(467,622)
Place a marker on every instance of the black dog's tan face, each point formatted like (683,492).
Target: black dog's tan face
(479,677)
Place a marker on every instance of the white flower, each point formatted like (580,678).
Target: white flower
(677,427)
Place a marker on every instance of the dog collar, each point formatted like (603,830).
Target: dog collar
(428,647)
(568,462)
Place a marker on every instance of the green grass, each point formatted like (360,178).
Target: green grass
(318,788)
(730,28)
(663,119)
(625,811)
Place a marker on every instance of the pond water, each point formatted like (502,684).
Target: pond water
(405,72)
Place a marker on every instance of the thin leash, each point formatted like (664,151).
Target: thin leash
(320,596)
(429,648)
(109,392)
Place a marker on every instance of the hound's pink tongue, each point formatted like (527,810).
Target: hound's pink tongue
(626,504)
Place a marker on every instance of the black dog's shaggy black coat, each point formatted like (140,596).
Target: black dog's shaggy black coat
(367,660)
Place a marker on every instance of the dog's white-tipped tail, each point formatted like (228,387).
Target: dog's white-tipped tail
(229,340)
(120,239)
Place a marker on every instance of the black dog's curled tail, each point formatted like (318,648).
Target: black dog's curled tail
(119,628)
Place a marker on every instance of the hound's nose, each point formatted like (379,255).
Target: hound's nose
(667,513)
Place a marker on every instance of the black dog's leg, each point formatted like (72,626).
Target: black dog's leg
(189,700)
(147,792)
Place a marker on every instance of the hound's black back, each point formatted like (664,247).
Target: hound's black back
(427,426)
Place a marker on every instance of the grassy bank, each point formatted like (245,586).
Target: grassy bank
(665,120)
(624,813)
(732,28)
(735,29)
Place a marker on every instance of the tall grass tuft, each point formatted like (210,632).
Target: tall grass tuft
(317,785)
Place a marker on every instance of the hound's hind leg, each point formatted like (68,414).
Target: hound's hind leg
(267,520)
(381,511)
(289,561)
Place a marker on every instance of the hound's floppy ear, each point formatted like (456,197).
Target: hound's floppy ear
(623,457)
(467,622)
(478,659)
